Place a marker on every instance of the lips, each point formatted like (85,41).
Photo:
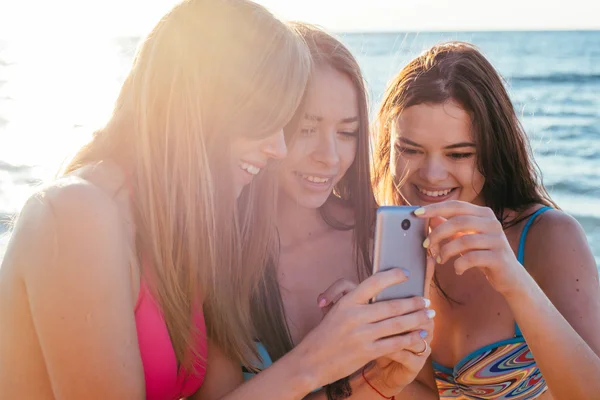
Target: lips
(252,169)
(314,179)
(315,183)
(434,195)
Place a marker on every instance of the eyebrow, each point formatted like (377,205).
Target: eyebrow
(452,146)
(348,120)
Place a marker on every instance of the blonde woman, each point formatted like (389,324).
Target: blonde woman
(112,268)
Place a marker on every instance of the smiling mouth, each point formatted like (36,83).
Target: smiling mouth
(435,193)
(249,168)
(314,178)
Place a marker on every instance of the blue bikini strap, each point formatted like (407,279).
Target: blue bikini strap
(521,253)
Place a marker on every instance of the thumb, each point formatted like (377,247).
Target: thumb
(336,291)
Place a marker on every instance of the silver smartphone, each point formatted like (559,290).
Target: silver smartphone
(399,237)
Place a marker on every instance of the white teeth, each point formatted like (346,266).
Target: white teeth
(251,169)
(436,193)
(315,179)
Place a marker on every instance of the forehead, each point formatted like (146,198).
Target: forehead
(444,123)
(331,94)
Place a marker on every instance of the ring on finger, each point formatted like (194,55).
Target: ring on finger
(424,350)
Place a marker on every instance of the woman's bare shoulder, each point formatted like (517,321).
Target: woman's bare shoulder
(71,213)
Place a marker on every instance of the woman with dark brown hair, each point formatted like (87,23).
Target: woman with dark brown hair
(516,286)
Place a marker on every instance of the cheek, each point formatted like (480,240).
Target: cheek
(297,153)
(242,146)
(471,177)
(478,181)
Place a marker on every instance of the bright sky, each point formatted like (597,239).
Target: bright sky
(65,67)
(60,77)
(114,17)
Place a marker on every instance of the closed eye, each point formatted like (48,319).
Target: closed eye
(307,131)
(349,134)
(408,151)
(460,156)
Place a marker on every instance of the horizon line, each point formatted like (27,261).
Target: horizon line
(412,31)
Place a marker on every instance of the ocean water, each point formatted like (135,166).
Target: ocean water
(52,98)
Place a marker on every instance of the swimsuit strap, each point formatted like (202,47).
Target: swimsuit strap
(521,253)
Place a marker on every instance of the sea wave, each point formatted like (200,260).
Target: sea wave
(574,187)
(556,78)
(4,166)
(561,114)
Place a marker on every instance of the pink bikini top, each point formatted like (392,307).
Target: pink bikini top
(164,380)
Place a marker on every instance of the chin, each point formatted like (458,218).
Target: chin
(312,202)
(308,201)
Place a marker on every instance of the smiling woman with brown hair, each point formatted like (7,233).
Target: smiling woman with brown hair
(516,288)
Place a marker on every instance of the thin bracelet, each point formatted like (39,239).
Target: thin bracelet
(373,387)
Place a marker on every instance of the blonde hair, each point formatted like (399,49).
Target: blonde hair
(209,70)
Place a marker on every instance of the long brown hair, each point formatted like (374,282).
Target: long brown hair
(208,71)
(457,71)
(354,190)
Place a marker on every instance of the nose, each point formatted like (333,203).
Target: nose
(433,170)
(274,145)
(326,151)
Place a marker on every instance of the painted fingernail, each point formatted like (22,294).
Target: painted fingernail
(423,334)
(420,211)
(427,302)
(426,243)
(438,259)
(430,313)
(406,272)
(322,303)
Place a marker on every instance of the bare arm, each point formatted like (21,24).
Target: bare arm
(560,318)
(418,389)
(224,381)
(351,335)
(69,246)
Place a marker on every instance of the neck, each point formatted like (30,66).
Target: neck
(297,223)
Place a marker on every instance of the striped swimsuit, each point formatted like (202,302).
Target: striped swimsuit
(501,370)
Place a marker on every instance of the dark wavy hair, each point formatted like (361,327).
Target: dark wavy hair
(457,71)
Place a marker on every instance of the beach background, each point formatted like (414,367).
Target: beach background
(52,98)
